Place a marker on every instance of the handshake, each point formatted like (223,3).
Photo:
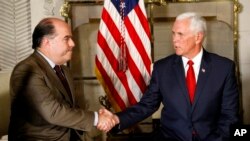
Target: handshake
(106,120)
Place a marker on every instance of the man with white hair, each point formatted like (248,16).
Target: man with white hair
(198,89)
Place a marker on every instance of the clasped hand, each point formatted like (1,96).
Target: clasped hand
(106,120)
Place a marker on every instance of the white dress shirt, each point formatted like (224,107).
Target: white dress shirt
(196,65)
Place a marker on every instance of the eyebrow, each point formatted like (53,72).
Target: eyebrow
(68,36)
(180,33)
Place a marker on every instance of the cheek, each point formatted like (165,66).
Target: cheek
(67,53)
(64,49)
(190,44)
(187,43)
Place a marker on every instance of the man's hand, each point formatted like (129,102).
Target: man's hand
(107,120)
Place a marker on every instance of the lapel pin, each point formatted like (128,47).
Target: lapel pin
(203,70)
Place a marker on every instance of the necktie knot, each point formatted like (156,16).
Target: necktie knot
(57,68)
(59,71)
(190,62)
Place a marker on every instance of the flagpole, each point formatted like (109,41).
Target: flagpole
(237,10)
(151,22)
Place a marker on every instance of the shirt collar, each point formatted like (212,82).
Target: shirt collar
(51,63)
(196,59)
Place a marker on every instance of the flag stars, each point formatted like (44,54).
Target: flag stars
(122,5)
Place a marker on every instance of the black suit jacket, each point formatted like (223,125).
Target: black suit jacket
(215,106)
(40,106)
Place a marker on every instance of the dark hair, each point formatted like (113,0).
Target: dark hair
(45,27)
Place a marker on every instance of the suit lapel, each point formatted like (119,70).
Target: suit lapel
(49,72)
(180,75)
(204,72)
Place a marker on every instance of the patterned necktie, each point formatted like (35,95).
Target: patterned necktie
(61,76)
(190,80)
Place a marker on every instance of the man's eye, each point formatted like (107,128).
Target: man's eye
(180,34)
(66,38)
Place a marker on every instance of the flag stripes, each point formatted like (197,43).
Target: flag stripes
(123,88)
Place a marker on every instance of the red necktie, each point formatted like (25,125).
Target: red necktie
(61,76)
(190,80)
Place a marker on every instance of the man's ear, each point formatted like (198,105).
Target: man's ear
(199,37)
(45,42)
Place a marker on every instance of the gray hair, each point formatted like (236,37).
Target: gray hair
(197,22)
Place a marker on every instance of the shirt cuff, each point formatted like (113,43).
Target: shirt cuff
(96,119)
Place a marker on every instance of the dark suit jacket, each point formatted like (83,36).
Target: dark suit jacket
(41,108)
(214,109)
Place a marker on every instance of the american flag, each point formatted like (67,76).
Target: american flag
(123,59)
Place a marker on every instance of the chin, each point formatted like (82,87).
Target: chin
(67,58)
(69,55)
(178,53)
